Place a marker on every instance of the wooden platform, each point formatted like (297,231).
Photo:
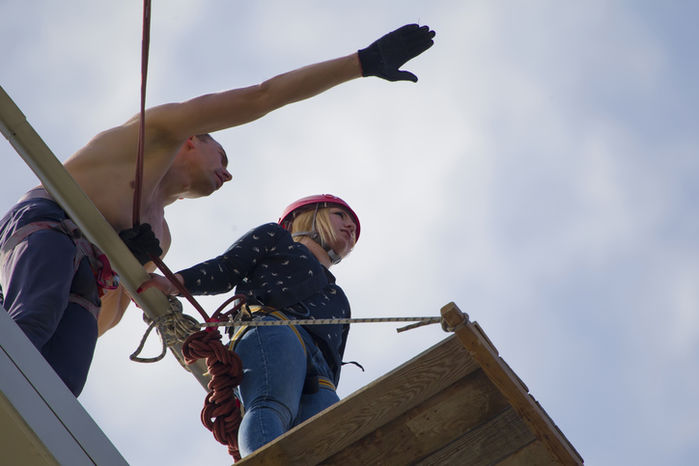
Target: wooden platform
(457,403)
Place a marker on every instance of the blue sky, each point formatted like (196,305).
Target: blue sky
(542,174)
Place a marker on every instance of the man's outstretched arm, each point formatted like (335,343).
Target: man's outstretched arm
(213,112)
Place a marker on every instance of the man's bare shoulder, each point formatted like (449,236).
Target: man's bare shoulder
(110,146)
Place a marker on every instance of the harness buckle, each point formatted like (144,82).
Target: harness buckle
(105,276)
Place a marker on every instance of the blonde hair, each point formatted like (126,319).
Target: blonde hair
(303,223)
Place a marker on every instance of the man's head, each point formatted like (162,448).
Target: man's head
(205,166)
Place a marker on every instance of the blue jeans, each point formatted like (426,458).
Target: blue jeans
(275,364)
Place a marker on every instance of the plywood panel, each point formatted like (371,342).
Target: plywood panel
(482,350)
(458,403)
(369,408)
(429,426)
(485,445)
(534,454)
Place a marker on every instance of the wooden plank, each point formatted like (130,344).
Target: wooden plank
(534,454)
(482,350)
(485,445)
(428,427)
(369,408)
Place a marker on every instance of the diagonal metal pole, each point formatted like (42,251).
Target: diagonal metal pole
(82,211)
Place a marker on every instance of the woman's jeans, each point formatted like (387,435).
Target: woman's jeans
(275,366)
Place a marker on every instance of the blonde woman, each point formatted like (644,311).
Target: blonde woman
(290,373)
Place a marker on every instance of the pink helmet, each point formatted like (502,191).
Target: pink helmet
(324,199)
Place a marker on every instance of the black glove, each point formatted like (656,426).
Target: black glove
(142,242)
(386,55)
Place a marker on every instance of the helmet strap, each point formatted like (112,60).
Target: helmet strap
(315,236)
(334,257)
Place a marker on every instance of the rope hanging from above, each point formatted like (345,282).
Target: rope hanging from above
(145,46)
(138,178)
(221,413)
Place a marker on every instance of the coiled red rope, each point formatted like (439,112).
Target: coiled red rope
(221,412)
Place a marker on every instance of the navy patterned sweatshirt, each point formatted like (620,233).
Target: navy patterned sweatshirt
(270,268)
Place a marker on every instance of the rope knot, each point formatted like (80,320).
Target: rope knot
(172,327)
(212,320)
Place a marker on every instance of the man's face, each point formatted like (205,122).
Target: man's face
(209,166)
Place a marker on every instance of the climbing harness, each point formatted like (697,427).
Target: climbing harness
(239,323)
(105,277)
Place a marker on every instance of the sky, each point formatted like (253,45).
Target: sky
(543,174)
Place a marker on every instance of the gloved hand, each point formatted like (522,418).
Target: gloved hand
(386,55)
(142,242)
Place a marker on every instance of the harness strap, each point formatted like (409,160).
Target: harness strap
(99,264)
(313,381)
(22,233)
(37,193)
(66,227)
(324,382)
(86,303)
(255,309)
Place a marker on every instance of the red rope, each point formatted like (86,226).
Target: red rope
(145,45)
(183,291)
(138,181)
(221,412)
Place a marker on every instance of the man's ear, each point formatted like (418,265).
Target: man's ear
(189,143)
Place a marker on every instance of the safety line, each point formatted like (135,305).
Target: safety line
(138,177)
(138,182)
(419,321)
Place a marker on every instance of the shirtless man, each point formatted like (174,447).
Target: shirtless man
(55,285)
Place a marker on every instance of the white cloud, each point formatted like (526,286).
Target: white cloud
(541,174)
